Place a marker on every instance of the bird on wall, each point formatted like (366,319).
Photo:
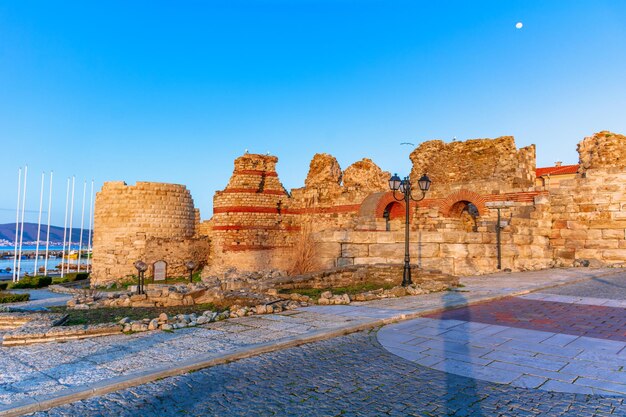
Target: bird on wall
(246,151)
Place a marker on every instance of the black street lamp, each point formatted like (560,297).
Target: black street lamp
(191,265)
(142,267)
(405,187)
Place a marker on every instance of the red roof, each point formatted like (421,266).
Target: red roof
(563,169)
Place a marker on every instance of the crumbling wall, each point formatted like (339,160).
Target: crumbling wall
(484,165)
(589,211)
(127,218)
(252,223)
(602,150)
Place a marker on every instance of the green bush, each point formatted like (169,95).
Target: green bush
(76,276)
(6,297)
(3,286)
(38,281)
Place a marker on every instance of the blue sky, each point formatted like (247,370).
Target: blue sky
(174,91)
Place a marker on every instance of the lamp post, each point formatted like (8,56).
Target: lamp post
(191,265)
(405,187)
(141,269)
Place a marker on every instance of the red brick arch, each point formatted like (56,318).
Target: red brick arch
(449,206)
(398,209)
(375,204)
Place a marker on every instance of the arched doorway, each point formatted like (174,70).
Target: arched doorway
(393,210)
(467,212)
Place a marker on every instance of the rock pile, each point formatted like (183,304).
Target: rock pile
(328,298)
(167,322)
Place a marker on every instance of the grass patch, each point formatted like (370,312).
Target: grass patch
(350,290)
(38,281)
(7,297)
(123,284)
(115,314)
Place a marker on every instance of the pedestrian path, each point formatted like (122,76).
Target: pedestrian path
(40,299)
(41,376)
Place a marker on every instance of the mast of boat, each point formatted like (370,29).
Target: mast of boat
(67,200)
(69,236)
(19,259)
(17,221)
(89,257)
(43,177)
(45,263)
(82,223)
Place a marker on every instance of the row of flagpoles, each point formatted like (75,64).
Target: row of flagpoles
(67,236)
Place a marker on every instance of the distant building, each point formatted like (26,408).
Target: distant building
(551,177)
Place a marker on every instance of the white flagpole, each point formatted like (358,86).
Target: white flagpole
(82,223)
(69,235)
(19,260)
(43,175)
(89,257)
(17,222)
(67,201)
(45,264)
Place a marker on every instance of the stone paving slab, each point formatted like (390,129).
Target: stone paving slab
(112,362)
(488,349)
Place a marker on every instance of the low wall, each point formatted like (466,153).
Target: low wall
(380,274)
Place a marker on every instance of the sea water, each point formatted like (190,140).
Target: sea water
(28,265)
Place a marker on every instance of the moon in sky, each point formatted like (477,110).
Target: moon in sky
(519,25)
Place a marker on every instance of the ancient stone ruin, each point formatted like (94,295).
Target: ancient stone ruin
(349,217)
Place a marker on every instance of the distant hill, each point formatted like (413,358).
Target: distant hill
(7,232)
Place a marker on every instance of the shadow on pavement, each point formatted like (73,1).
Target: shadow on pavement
(460,391)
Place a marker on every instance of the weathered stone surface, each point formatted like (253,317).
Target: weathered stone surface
(324,170)
(483,163)
(602,150)
(365,175)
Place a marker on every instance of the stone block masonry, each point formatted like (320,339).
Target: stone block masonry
(348,217)
(147,221)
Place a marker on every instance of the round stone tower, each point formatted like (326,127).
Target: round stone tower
(130,219)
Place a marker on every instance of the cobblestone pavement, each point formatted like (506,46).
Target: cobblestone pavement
(613,288)
(346,376)
(30,374)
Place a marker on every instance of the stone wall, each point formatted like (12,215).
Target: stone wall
(590,224)
(379,274)
(133,222)
(484,165)
(256,224)
(352,219)
(252,223)
(445,243)
(602,150)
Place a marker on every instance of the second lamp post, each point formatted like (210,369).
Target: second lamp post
(405,187)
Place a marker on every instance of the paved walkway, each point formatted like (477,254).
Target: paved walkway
(566,345)
(40,299)
(41,376)
(346,376)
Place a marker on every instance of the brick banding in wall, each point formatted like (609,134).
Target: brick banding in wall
(256,172)
(254,191)
(244,227)
(310,210)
